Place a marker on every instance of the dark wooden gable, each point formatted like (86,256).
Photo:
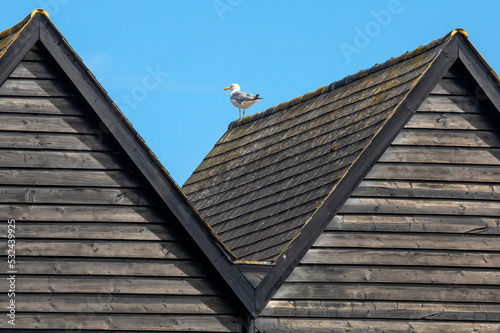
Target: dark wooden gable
(97,246)
(415,247)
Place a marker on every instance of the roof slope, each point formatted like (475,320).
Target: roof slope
(269,173)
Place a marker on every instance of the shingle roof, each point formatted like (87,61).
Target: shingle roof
(7,37)
(269,173)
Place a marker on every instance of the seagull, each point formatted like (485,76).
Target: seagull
(240,99)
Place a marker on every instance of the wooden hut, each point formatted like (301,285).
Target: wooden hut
(104,237)
(369,205)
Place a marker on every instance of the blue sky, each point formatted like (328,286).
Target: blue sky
(165,63)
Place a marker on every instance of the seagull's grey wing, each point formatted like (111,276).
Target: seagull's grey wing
(241,97)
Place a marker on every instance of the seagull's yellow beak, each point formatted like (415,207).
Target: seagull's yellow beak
(227,88)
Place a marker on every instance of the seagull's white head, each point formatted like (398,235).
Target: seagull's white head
(233,87)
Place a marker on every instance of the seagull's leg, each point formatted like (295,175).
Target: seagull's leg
(240,112)
(243,113)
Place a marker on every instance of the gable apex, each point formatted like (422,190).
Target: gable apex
(39,11)
(459,31)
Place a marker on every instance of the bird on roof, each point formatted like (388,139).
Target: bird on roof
(240,99)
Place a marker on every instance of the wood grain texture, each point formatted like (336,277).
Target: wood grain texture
(279,325)
(74,195)
(61,160)
(33,87)
(47,124)
(417,239)
(110,266)
(448,138)
(402,258)
(116,303)
(414,275)
(102,249)
(158,322)
(383,309)
(92,239)
(404,292)
(35,70)
(42,106)
(47,141)
(70,178)
(438,190)
(411,223)
(100,231)
(112,285)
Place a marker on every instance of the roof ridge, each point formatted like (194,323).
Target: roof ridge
(16,27)
(348,79)
(8,36)
(21,24)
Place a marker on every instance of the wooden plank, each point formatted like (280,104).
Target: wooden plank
(42,105)
(101,249)
(416,275)
(452,121)
(101,231)
(115,303)
(112,285)
(79,195)
(142,322)
(286,325)
(47,141)
(61,160)
(401,258)
(35,70)
(57,177)
(383,310)
(445,155)
(34,87)
(422,206)
(442,173)
(80,213)
(430,137)
(415,189)
(409,241)
(452,87)
(406,292)
(111,266)
(35,54)
(54,124)
(412,223)
(447,103)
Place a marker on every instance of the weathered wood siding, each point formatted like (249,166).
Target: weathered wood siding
(94,250)
(416,248)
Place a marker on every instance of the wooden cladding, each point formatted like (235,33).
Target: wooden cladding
(415,247)
(92,243)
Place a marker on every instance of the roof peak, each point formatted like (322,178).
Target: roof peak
(348,79)
(459,31)
(39,11)
(23,23)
